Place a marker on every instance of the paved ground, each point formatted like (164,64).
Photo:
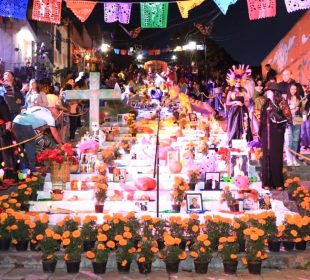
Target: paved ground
(61,274)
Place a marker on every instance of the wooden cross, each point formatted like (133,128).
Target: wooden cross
(94,94)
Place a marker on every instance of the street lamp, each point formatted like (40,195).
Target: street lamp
(139,57)
(191,46)
(174,57)
(104,47)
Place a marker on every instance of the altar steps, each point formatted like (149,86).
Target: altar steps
(32,260)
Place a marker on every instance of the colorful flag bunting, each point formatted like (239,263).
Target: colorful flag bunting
(185,7)
(224,4)
(154,15)
(261,9)
(123,52)
(117,12)
(81,9)
(116,51)
(295,5)
(13,8)
(133,33)
(47,10)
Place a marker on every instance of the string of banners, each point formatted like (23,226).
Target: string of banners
(153,14)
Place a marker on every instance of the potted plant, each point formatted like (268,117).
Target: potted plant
(255,249)
(20,231)
(239,225)
(125,252)
(147,227)
(300,193)
(217,226)
(193,177)
(172,254)
(23,195)
(89,232)
(41,224)
(71,223)
(177,229)
(9,202)
(291,185)
(6,221)
(179,192)
(201,252)
(101,196)
(193,227)
(229,249)
(59,161)
(271,230)
(227,197)
(146,252)
(133,224)
(100,254)
(295,230)
(49,244)
(159,229)
(73,244)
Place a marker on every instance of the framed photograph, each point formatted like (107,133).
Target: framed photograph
(239,165)
(119,174)
(212,181)
(193,117)
(194,202)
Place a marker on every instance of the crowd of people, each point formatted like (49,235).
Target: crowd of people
(248,103)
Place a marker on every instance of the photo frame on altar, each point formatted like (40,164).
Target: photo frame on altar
(239,165)
(193,117)
(119,174)
(212,181)
(173,156)
(194,202)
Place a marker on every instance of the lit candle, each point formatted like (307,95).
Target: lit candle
(79,185)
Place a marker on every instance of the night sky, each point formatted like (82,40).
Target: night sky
(246,41)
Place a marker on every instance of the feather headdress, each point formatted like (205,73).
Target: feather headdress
(241,73)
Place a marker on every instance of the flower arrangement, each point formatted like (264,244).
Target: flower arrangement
(193,226)
(49,244)
(295,228)
(9,202)
(228,248)
(133,128)
(102,169)
(176,226)
(71,223)
(72,241)
(21,228)
(23,194)
(6,221)
(292,184)
(200,251)
(193,175)
(65,153)
(34,183)
(204,147)
(147,250)
(41,224)
(101,252)
(304,206)
(172,253)
(239,225)
(146,227)
(216,227)
(300,193)
(110,153)
(101,190)
(159,228)
(88,145)
(255,244)
(179,190)
(89,228)
(227,196)
(125,252)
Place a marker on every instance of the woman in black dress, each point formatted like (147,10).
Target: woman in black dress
(275,115)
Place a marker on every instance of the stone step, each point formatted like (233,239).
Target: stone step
(32,260)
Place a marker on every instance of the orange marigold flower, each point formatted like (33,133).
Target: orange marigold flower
(102,237)
(194,254)
(207,243)
(258,254)
(223,239)
(182,256)
(66,242)
(39,237)
(66,234)
(220,247)
(154,250)
(124,262)
(14,227)
(100,246)
(195,228)
(254,236)
(123,242)
(233,256)
(118,237)
(56,236)
(90,255)
(141,259)
(76,234)
(49,232)
(127,235)
(105,227)
(111,244)
(294,232)
(244,261)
